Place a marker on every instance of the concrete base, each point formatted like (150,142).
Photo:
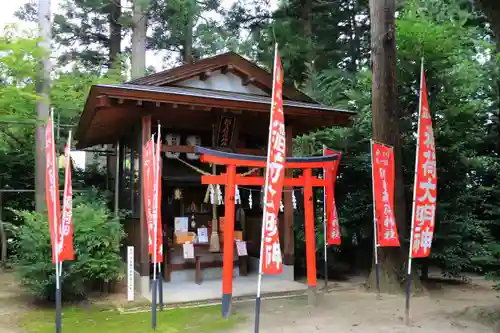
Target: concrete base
(212,289)
(288,270)
(189,275)
(142,284)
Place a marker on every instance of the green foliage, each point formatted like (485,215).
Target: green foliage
(311,33)
(97,238)
(491,263)
(460,103)
(19,65)
(19,61)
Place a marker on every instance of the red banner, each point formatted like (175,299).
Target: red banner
(157,203)
(383,193)
(275,174)
(148,181)
(424,202)
(332,220)
(52,188)
(66,251)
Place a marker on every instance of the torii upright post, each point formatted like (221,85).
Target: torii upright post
(310,238)
(230,179)
(228,254)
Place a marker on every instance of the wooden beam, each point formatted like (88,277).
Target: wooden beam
(102,101)
(246,81)
(190,149)
(260,181)
(227,69)
(143,255)
(205,75)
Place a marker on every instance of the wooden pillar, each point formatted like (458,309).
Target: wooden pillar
(310,237)
(228,255)
(145,135)
(289,244)
(121,176)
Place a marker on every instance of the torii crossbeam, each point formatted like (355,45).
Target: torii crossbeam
(230,179)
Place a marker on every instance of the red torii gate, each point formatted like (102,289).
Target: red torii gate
(230,179)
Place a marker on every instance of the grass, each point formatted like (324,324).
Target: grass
(76,320)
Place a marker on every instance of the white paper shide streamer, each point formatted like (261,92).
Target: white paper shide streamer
(220,200)
(237,198)
(212,194)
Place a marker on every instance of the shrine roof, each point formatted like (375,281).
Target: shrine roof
(229,62)
(157,92)
(189,97)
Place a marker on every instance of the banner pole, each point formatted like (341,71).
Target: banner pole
(56,236)
(259,281)
(154,290)
(408,276)
(325,228)
(375,245)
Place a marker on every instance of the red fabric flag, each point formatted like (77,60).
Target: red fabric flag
(383,192)
(271,260)
(157,204)
(66,251)
(148,180)
(425,192)
(52,189)
(332,220)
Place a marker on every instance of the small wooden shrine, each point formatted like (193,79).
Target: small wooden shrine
(222,103)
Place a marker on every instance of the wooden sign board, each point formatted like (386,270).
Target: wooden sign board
(225,131)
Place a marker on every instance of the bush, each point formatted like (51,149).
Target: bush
(96,237)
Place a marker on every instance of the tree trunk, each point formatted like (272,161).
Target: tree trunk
(187,56)
(385,123)
(354,40)
(115,34)
(139,19)
(306,17)
(42,106)
(491,9)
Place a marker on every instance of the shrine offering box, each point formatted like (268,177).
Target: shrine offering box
(183,237)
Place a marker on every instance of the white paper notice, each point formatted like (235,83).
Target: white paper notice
(202,235)
(241,246)
(181,224)
(130,273)
(188,250)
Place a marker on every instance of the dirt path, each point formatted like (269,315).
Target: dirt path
(347,309)
(447,310)
(12,304)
